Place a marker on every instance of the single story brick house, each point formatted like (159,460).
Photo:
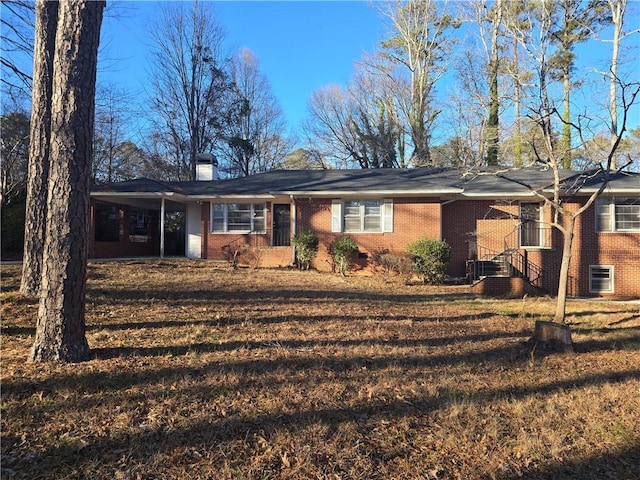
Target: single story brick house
(497,227)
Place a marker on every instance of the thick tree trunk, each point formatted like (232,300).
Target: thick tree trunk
(552,336)
(493,123)
(563,283)
(60,331)
(556,335)
(618,8)
(517,134)
(566,116)
(40,130)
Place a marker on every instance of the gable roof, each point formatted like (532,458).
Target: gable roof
(380,182)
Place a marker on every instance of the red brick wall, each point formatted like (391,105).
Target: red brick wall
(513,287)
(257,246)
(464,224)
(620,249)
(413,218)
(486,218)
(459,230)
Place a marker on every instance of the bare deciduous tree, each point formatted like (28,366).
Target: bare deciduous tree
(17,24)
(188,81)
(551,152)
(414,58)
(617,8)
(357,126)
(254,135)
(112,119)
(14,153)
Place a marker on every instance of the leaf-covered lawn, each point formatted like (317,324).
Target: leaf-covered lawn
(200,371)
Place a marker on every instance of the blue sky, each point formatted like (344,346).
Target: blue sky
(301,45)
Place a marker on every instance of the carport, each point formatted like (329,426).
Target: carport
(157,208)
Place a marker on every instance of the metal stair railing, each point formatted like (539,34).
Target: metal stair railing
(514,263)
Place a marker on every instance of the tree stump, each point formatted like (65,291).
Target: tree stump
(552,336)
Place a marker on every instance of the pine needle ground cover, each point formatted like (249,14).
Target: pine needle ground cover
(203,372)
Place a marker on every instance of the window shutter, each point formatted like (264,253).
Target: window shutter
(336,215)
(388,215)
(604,218)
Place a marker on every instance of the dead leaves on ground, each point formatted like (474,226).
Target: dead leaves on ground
(204,372)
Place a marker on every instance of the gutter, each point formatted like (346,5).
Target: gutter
(498,194)
(369,193)
(265,196)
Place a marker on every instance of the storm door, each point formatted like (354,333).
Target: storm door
(281,225)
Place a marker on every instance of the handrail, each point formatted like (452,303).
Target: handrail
(513,239)
(512,262)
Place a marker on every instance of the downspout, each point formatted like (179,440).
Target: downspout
(442,204)
(162,209)
(293,226)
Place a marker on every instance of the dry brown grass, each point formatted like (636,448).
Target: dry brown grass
(204,372)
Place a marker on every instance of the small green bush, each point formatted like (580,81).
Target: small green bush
(430,259)
(344,251)
(306,243)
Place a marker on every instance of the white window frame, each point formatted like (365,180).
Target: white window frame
(606,207)
(592,269)
(338,215)
(254,212)
(539,226)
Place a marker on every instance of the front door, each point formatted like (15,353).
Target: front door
(194,236)
(281,225)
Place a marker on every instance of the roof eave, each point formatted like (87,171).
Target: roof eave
(370,193)
(172,195)
(592,190)
(499,194)
(210,196)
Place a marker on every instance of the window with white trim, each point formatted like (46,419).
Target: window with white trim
(238,217)
(601,278)
(618,214)
(531,233)
(362,216)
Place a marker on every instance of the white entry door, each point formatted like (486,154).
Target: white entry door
(194,238)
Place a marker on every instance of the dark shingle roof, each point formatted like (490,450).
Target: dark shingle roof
(139,185)
(319,182)
(422,181)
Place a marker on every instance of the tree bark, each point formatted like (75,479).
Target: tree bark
(493,123)
(563,282)
(517,134)
(618,8)
(40,131)
(60,330)
(552,336)
(566,117)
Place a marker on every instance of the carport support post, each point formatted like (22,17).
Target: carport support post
(162,228)
(293,232)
